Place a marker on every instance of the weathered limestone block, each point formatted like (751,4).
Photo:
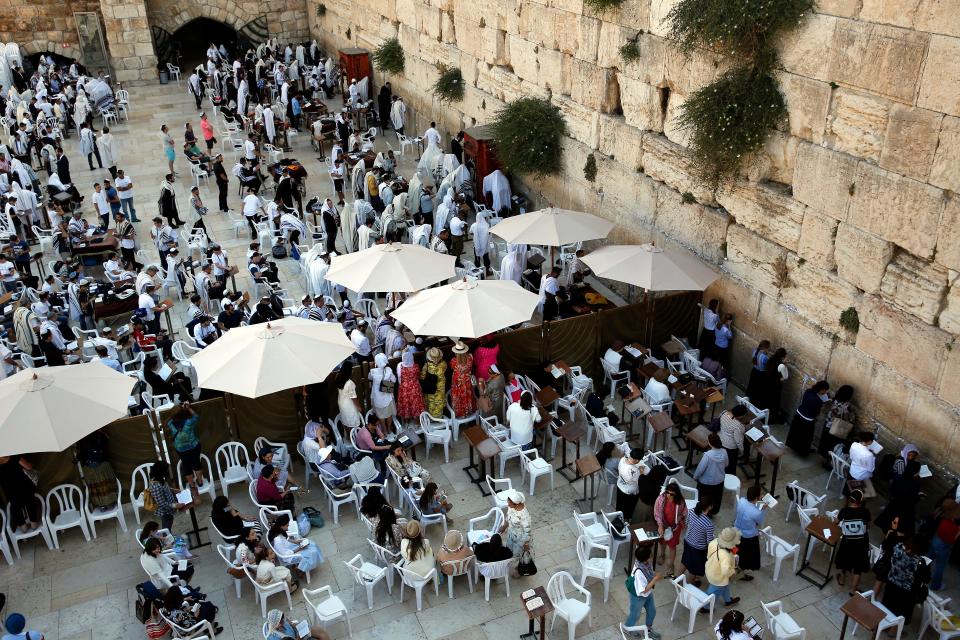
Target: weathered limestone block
(915,286)
(621,141)
(469,36)
(808,345)
(881,59)
(755,259)
(523,57)
(888,397)
(936,16)
(950,318)
(911,141)
(898,209)
(899,339)
(817,235)
(841,8)
(658,16)
(583,123)
(948,242)
(589,84)
(941,76)
(818,294)
(805,50)
(612,37)
(945,172)
(739,299)
(699,228)
(931,423)
(428,20)
(463,11)
(555,71)
(765,209)
(588,38)
(823,179)
(899,13)
(857,123)
(641,104)
(671,127)
(448,31)
(850,366)
(861,257)
(496,48)
(633,14)
(808,103)
(668,162)
(650,66)
(949,389)
(776,161)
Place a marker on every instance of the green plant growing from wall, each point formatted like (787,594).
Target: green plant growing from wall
(850,320)
(590,168)
(729,119)
(528,135)
(602,5)
(388,57)
(630,51)
(321,10)
(449,86)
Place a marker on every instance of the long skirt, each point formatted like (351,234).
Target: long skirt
(309,559)
(749,553)
(800,436)
(102,483)
(694,560)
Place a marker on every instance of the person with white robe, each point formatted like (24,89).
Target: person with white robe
(301,55)
(268,125)
(420,234)
(354,92)
(88,146)
(348,228)
(287,54)
(365,237)
(480,230)
(398,115)
(242,93)
(442,216)
(81,107)
(497,185)
(195,87)
(511,267)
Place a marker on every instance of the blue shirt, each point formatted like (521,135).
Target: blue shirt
(111,194)
(723,335)
(113,363)
(295,107)
(749,518)
(700,530)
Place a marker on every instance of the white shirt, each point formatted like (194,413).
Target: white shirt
(251,205)
(521,423)
(710,320)
(457,226)
(380,399)
(612,358)
(201,332)
(125,181)
(8,272)
(4,354)
(432,135)
(143,279)
(219,261)
(249,150)
(112,266)
(100,201)
(862,461)
(360,342)
(628,475)
(145,301)
(657,392)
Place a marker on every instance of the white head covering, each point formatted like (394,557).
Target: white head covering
(381,360)
(407,358)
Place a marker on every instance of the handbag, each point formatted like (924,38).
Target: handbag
(853,528)
(668,531)
(149,504)
(157,628)
(386,386)
(429,383)
(840,428)
(526,566)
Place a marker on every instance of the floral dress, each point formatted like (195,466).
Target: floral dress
(436,401)
(461,386)
(409,395)
(518,530)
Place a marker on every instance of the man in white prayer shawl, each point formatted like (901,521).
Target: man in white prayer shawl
(194,87)
(497,185)
(398,114)
(480,230)
(420,232)
(512,265)
(242,92)
(365,236)
(268,126)
(442,216)
(348,228)
(301,55)
(319,285)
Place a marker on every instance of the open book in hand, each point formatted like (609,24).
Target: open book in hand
(769,501)
(185,497)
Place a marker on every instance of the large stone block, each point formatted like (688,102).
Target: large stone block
(931,423)
(888,397)
(808,346)
(701,229)
(523,57)
(945,172)
(555,71)
(641,104)
(496,47)
(948,241)
(881,59)
(766,209)
(881,200)
(949,389)
(668,162)
(818,295)
(658,16)
(941,76)
(589,84)
(861,257)
(915,286)
(899,13)
(469,36)
(671,126)
(621,141)
(808,103)
(612,37)
(756,260)
(911,141)
(937,16)
(776,161)
(737,298)
(857,123)
(633,14)
(950,317)
(583,123)
(823,179)
(805,50)
(850,366)
(896,338)
(841,8)
(588,38)
(817,235)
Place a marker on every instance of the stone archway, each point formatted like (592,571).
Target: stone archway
(44,46)
(170,15)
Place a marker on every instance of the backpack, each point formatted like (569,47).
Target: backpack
(279,251)
(148,596)
(315,517)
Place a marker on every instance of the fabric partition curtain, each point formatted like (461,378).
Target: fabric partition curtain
(55,468)
(629,323)
(675,314)
(575,341)
(211,428)
(129,444)
(522,351)
(277,417)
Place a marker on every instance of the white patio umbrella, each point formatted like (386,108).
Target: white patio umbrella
(51,408)
(467,308)
(552,227)
(259,359)
(391,267)
(651,267)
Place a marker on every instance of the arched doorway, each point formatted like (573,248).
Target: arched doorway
(193,38)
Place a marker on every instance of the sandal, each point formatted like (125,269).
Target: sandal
(840,579)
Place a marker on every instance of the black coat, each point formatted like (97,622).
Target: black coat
(63,169)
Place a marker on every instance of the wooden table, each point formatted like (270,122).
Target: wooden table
(563,380)
(687,407)
(587,467)
(672,348)
(815,530)
(547,396)
(571,432)
(659,422)
(649,527)
(97,244)
(864,613)
(699,439)
(486,448)
(767,449)
(539,613)
(649,370)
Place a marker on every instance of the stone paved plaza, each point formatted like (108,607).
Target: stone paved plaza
(86,590)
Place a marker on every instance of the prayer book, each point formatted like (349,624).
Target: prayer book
(534,603)
(826,533)
(249,524)
(636,353)
(755,434)
(165,371)
(752,627)
(526,595)
(769,500)
(671,378)
(557,372)
(182,565)
(876,447)
(643,536)
(293,530)
(185,497)
(925,471)
(303,629)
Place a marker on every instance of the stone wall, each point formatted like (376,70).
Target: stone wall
(286,19)
(43,25)
(851,205)
(129,40)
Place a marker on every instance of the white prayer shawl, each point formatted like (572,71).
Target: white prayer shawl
(193,83)
(20,169)
(242,92)
(459,176)
(27,201)
(319,285)
(497,184)
(379,160)
(400,204)
(510,268)
(363,88)
(364,237)
(105,142)
(80,109)
(301,55)
(398,114)
(362,211)
(450,163)
(293,71)
(268,125)
(443,213)
(420,235)
(287,54)
(386,193)
(86,141)
(290,222)
(414,191)
(328,70)
(356,177)
(348,227)
(430,159)
(481,235)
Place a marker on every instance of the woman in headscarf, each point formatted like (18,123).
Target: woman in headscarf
(347,400)
(382,385)
(296,551)
(410,395)
(517,524)
(434,382)
(904,490)
(280,627)
(837,426)
(463,398)
(493,388)
(453,550)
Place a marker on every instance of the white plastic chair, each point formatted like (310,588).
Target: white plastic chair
(889,621)
(693,599)
(570,601)
(405,143)
(425,519)
(780,624)
(204,627)
(288,559)
(223,536)
(939,619)
(324,610)
(225,551)
(45,236)
(592,566)
(640,628)
(454,420)
(617,536)
(417,582)
(494,571)
(535,466)
(174,72)
(613,377)
(839,469)
(264,591)
(95,515)
(209,486)
(142,475)
(802,498)
(461,567)
(499,489)
(199,174)
(337,497)
(779,549)
(589,525)
(5,540)
(436,431)
(731,483)
(386,559)
(69,510)
(15,535)
(281,453)
(480,529)
(233,462)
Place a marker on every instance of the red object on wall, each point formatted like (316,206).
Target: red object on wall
(478,148)
(356,64)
